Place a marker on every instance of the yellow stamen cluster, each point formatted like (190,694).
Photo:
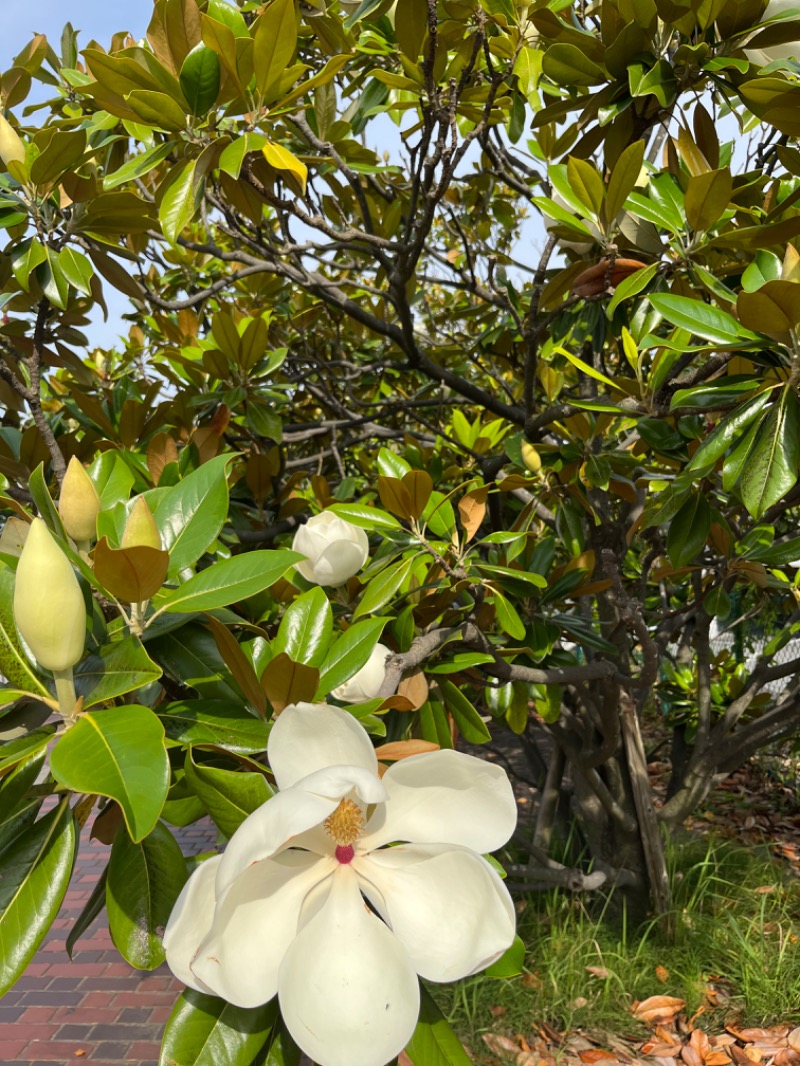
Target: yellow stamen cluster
(346,824)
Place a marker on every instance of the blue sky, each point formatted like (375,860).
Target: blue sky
(97,19)
(93,18)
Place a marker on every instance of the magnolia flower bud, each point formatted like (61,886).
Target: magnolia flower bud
(141,530)
(531,457)
(79,503)
(366,683)
(48,602)
(12,150)
(334,549)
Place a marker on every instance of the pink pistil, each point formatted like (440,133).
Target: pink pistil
(345,853)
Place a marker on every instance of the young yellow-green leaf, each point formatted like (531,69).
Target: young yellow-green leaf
(117,752)
(181,201)
(707,197)
(282,159)
(77,269)
(623,179)
(274,43)
(586,184)
(590,370)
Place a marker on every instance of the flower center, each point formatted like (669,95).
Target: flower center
(345,826)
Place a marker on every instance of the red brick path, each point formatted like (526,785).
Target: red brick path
(96,1009)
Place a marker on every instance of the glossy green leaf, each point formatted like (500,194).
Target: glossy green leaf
(434,1042)
(365,517)
(77,269)
(112,478)
(15,751)
(144,881)
(116,669)
(34,873)
(306,628)
(192,513)
(191,656)
(469,723)
(118,752)
(726,433)
(24,258)
(507,616)
(566,64)
(586,183)
(688,530)
(214,722)
(773,462)
(715,394)
(63,151)
(206,1031)
(701,319)
(230,580)
(348,654)
(228,795)
(200,79)
(18,805)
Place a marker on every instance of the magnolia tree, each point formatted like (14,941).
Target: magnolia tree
(368,479)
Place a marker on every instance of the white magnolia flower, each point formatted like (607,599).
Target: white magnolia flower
(366,683)
(334,549)
(283,909)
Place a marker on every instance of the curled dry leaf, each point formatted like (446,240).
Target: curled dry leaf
(662,974)
(501,1045)
(597,1054)
(793,1039)
(691,1056)
(787,1057)
(661,1051)
(658,1008)
(598,971)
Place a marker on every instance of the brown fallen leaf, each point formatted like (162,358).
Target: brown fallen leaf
(662,974)
(793,1039)
(498,1012)
(690,1056)
(700,1042)
(598,971)
(718,1058)
(596,1054)
(776,1035)
(500,1045)
(662,1051)
(658,1008)
(787,1056)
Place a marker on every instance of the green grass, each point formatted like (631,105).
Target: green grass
(727,935)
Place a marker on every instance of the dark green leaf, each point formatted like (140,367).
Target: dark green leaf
(118,668)
(143,884)
(229,581)
(348,654)
(306,628)
(688,530)
(192,513)
(200,79)
(434,1042)
(214,722)
(773,462)
(34,874)
(228,795)
(206,1031)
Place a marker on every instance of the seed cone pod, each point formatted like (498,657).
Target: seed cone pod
(530,457)
(141,530)
(12,150)
(48,603)
(79,504)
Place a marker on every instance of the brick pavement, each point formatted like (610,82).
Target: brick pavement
(96,1009)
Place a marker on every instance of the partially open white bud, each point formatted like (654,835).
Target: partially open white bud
(48,602)
(79,503)
(788,50)
(366,683)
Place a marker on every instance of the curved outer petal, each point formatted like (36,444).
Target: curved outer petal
(189,922)
(448,907)
(348,993)
(444,797)
(276,824)
(338,562)
(254,923)
(310,736)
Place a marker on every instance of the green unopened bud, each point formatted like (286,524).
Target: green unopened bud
(12,150)
(141,530)
(79,504)
(48,602)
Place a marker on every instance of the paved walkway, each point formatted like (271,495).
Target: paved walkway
(95,1009)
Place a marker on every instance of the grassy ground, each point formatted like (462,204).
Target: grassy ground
(735,954)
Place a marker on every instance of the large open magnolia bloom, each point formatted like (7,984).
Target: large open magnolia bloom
(283,909)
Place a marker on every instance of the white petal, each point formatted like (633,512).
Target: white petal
(254,923)
(278,823)
(338,562)
(366,682)
(449,908)
(310,736)
(445,797)
(189,922)
(348,993)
